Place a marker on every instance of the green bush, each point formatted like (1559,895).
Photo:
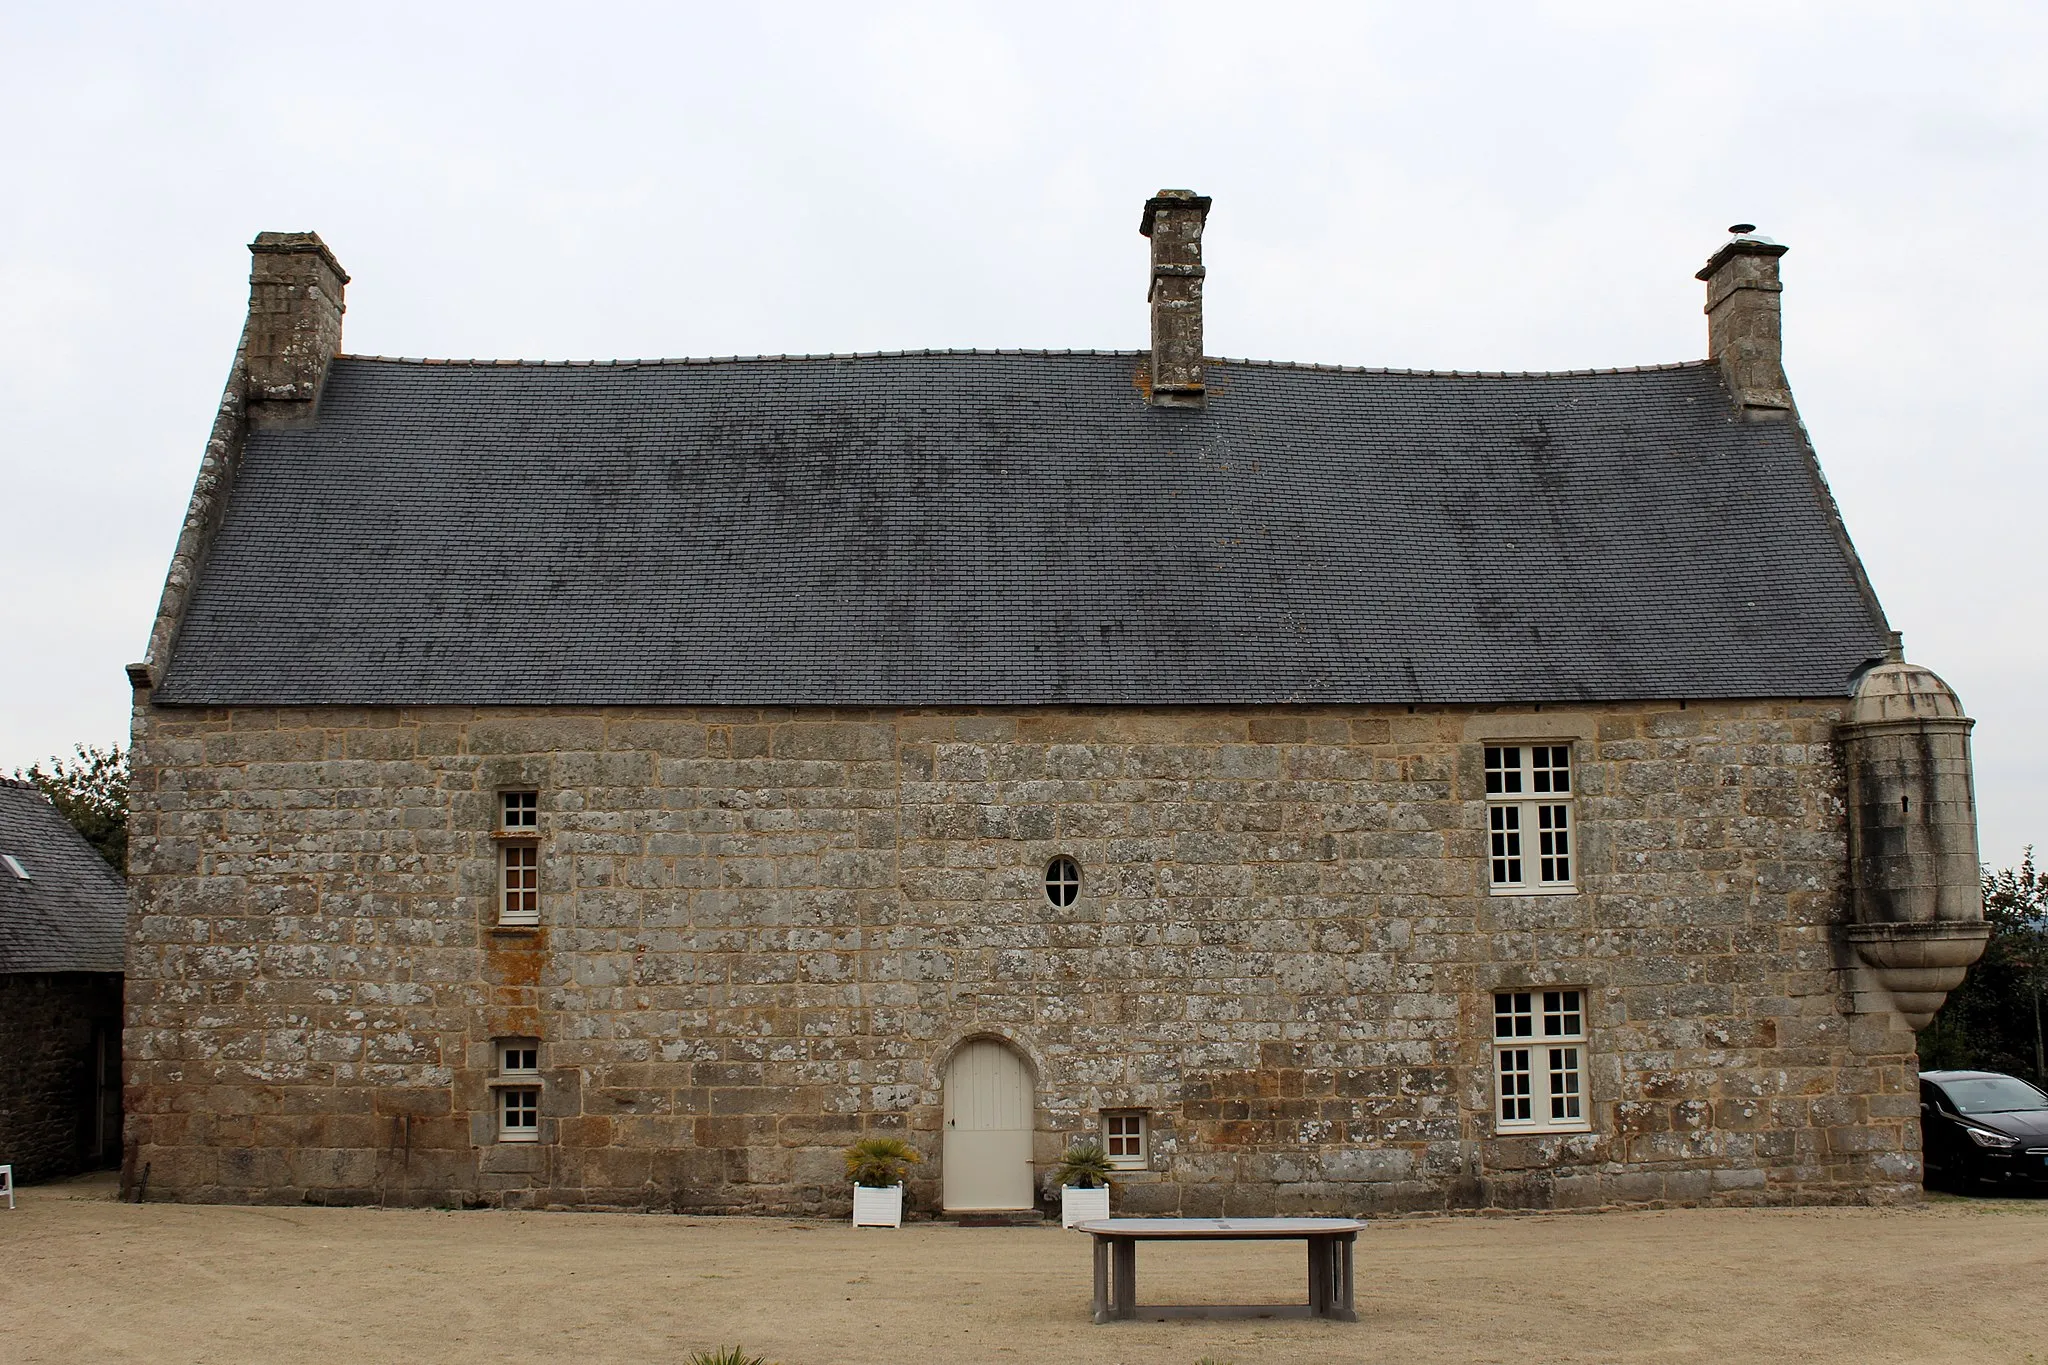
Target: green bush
(879,1162)
(1086,1165)
(730,1355)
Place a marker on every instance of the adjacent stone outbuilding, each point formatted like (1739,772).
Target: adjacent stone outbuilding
(1333,790)
(63,920)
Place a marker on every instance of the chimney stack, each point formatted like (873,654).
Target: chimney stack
(295,308)
(1173,220)
(1742,322)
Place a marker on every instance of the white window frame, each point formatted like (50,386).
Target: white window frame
(1120,1129)
(1532,843)
(1539,1061)
(518,837)
(516,1089)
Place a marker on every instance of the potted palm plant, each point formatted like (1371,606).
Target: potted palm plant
(877,1165)
(1083,1177)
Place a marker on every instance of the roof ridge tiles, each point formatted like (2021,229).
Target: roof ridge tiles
(1309,366)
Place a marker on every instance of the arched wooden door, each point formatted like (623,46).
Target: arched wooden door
(986,1155)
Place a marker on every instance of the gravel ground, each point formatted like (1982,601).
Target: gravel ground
(83,1277)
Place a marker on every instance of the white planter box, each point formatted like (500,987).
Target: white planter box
(874,1208)
(1078,1205)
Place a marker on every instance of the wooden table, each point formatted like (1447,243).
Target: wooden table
(1329,1241)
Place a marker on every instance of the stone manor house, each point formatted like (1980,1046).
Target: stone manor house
(1335,790)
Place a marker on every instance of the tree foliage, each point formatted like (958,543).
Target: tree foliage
(1994,1020)
(91,791)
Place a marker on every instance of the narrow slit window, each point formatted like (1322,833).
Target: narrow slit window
(519,858)
(517,1088)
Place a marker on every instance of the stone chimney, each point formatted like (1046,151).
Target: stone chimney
(294,329)
(1742,321)
(1173,220)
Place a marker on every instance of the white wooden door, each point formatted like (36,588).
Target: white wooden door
(986,1157)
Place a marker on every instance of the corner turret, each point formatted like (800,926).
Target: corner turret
(1916,908)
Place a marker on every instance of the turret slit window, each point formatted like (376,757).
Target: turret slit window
(1539,1055)
(519,858)
(1529,828)
(1062,881)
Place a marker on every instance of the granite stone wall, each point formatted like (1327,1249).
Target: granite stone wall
(48,1069)
(764,931)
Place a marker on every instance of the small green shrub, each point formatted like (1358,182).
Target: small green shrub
(879,1162)
(1085,1164)
(730,1355)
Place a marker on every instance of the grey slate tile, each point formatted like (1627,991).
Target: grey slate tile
(72,913)
(1019,528)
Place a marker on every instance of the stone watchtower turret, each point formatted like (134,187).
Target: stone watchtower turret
(1916,908)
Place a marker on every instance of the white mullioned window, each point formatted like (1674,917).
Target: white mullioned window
(1123,1141)
(1529,830)
(518,1090)
(1539,1062)
(519,858)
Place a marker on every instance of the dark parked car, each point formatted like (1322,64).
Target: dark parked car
(1981,1127)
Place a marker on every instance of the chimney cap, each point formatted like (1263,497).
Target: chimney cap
(1744,243)
(296,244)
(1172,199)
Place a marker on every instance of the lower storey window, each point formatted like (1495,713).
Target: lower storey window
(1539,1056)
(1123,1140)
(519,1114)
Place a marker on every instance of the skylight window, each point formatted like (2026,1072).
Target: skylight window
(14,866)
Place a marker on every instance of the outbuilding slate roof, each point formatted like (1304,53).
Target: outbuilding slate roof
(72,913)
(1020,528)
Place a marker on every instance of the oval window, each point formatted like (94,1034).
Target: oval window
(1062,881)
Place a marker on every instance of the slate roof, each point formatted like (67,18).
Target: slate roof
(1018,528)
(72,913)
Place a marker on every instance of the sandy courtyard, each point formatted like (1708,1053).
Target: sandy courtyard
(85,1278)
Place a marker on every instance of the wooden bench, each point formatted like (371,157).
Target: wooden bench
(1330,1242)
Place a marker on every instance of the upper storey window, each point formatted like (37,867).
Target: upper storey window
(519,858)
(1529,826)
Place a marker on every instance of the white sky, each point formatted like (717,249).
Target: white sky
(1522,186)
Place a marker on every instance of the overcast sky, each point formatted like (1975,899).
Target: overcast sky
(1438,186)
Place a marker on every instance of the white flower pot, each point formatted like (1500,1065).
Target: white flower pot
(873,1208)
(1078,1205)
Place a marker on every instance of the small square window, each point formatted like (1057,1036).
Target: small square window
(521,811)
(1123,1141)
(519,1113)
(519,1059)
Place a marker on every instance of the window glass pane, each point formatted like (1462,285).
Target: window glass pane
(1505,831)
(1514,1085)
(1553,837)
(1564,1083)
(1561,1016)
(1503,771)
(1062,881)
(522,810)
(1512,1016)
